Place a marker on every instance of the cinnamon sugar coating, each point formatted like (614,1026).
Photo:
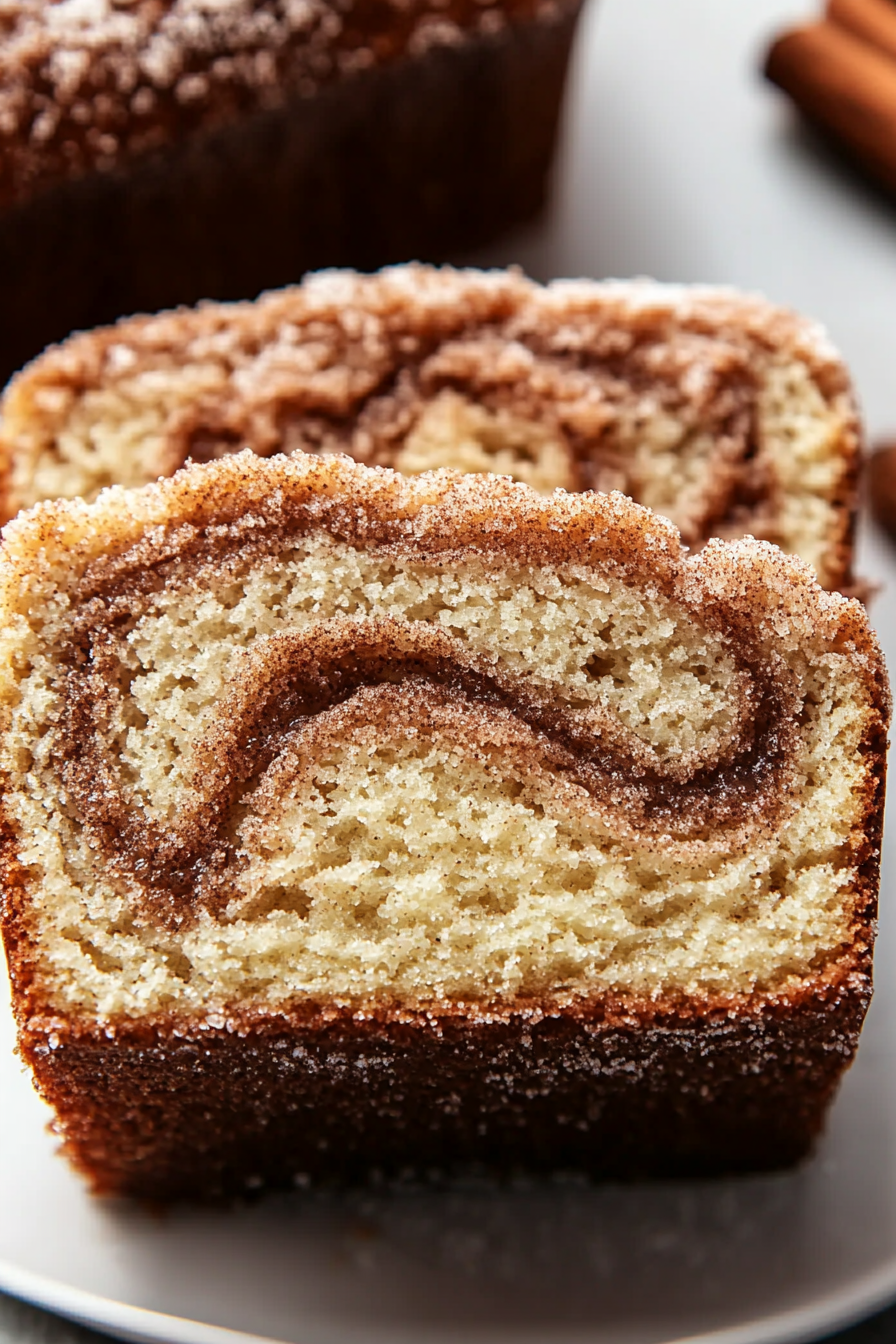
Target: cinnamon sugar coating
(303,757)
(728,415)
(167,151)
(91,84)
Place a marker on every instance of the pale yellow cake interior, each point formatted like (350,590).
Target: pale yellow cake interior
(453,431)
(396,864)
(65,443)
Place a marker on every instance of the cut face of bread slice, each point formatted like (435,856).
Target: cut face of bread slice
(725,414)
(347,795)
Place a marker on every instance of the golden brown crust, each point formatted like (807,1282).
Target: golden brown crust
(345,363)
(664,1083)
(186,1110)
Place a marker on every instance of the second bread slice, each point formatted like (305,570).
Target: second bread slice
(725,414)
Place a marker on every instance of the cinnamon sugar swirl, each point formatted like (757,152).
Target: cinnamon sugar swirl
(354,821)
(725,414)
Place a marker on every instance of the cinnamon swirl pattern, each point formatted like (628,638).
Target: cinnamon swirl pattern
(725,414)
(299,737)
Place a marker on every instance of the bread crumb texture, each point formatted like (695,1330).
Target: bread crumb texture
(723,413)
(513,749)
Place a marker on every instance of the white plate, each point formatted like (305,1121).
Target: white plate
(678,163)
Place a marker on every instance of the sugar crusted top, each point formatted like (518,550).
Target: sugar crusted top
(760,589)
(87,84)
(426,302)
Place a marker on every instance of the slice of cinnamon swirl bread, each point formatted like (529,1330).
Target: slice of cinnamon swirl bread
(725,414)
(353,820)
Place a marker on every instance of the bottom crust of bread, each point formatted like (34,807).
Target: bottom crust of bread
(169,1110)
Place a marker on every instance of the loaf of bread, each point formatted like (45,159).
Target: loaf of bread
(159,153)
(354,821)
(719,411)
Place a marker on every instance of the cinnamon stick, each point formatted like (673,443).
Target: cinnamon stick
(880,486)
(844,85)
(874,21)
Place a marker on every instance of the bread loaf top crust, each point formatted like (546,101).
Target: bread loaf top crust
(91,84)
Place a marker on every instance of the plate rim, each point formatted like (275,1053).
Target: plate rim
(142,1325)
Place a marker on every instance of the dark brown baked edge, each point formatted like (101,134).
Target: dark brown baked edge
(426,157)
(79,100)
(193,1110)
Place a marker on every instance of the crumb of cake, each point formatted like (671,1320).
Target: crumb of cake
(726,415)
(471,760)
(454,432)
